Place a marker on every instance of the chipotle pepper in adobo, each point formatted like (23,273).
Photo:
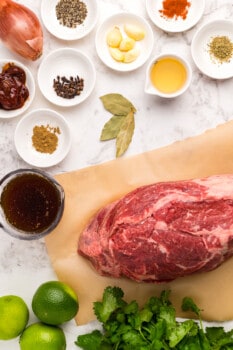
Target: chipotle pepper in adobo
(13,91)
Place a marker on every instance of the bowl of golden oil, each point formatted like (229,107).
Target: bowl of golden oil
(31,203)
(168,75)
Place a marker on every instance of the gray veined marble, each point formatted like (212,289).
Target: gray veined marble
(206,104)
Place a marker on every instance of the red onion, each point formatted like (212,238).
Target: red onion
(20,30)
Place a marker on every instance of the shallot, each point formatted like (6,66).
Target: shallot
(20,30)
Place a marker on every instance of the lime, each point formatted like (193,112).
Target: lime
(14,316)
(54,303)
(40,336)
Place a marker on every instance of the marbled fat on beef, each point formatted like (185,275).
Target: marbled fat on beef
(163,231)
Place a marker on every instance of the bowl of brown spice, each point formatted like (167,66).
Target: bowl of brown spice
(212,49)
(42,138)
(66,77)
(69,19)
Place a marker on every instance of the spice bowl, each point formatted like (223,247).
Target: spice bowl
(212,49)
(42,138)
(175,19)
(66,77)
(31,203)
(70,20)
(29,83)
(168,75)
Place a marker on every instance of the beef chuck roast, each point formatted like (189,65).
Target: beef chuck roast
(162,231)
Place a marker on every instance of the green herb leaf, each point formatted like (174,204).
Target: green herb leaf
(112,300)
(91,341)
(112,128)
(117,104)
(188,304)
(152,327)
(125,134)
(179,332)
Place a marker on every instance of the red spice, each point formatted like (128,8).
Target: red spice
(175,8)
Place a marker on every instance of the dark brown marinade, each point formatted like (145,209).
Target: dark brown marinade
(30,203)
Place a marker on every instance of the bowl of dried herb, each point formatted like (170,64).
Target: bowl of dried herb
(42,138)
(212,49)
(69,19)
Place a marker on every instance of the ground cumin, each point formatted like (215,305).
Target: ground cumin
(175,8)
(45,139)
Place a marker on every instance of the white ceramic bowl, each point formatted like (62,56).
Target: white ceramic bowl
(23,137)
(152,90)
(49,18)
(6,114)
(66,62)
(145,45)
(200,49)
(175,25)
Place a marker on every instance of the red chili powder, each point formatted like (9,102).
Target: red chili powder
(175,8)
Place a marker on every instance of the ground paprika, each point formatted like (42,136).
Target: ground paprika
(175,8)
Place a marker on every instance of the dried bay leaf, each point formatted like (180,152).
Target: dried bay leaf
(117,104)
(125,134)
(112,128)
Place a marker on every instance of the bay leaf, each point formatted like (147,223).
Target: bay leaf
(117,104)
(112,128)
(125,134)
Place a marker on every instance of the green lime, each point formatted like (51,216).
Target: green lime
(14,316)
(54,303)
(40,336)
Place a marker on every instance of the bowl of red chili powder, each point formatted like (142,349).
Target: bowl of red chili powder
(175,15)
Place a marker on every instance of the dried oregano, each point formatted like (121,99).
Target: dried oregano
(121,125)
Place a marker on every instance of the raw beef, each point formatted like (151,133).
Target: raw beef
(163,231)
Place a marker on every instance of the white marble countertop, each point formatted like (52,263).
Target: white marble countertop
(207,103)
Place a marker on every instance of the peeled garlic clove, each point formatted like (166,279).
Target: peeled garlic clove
(116,54)
(134,31)
(127,44)
(131,55)
(114,37)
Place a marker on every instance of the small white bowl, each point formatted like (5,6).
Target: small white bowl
(152,90)
(66,62)
(24,132)
(7,114)
(49,18)
(200,49)
(175,25)
(145,45)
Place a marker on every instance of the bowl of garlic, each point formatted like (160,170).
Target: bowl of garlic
(124,41)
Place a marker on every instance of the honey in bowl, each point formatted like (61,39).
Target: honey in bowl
(168,75)
(31,203)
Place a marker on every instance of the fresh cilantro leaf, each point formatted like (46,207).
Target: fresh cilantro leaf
(189,305)
(218,337)
(179,332)
(112,300)
(152,327)
(91,341)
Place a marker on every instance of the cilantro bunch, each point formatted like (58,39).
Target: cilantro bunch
(153,327)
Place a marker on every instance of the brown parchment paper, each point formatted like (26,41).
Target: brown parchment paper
(88,189)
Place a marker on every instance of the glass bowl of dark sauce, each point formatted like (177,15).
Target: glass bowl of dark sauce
(31,203)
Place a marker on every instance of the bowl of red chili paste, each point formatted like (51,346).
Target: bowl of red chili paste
(175,15)
(17,88)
